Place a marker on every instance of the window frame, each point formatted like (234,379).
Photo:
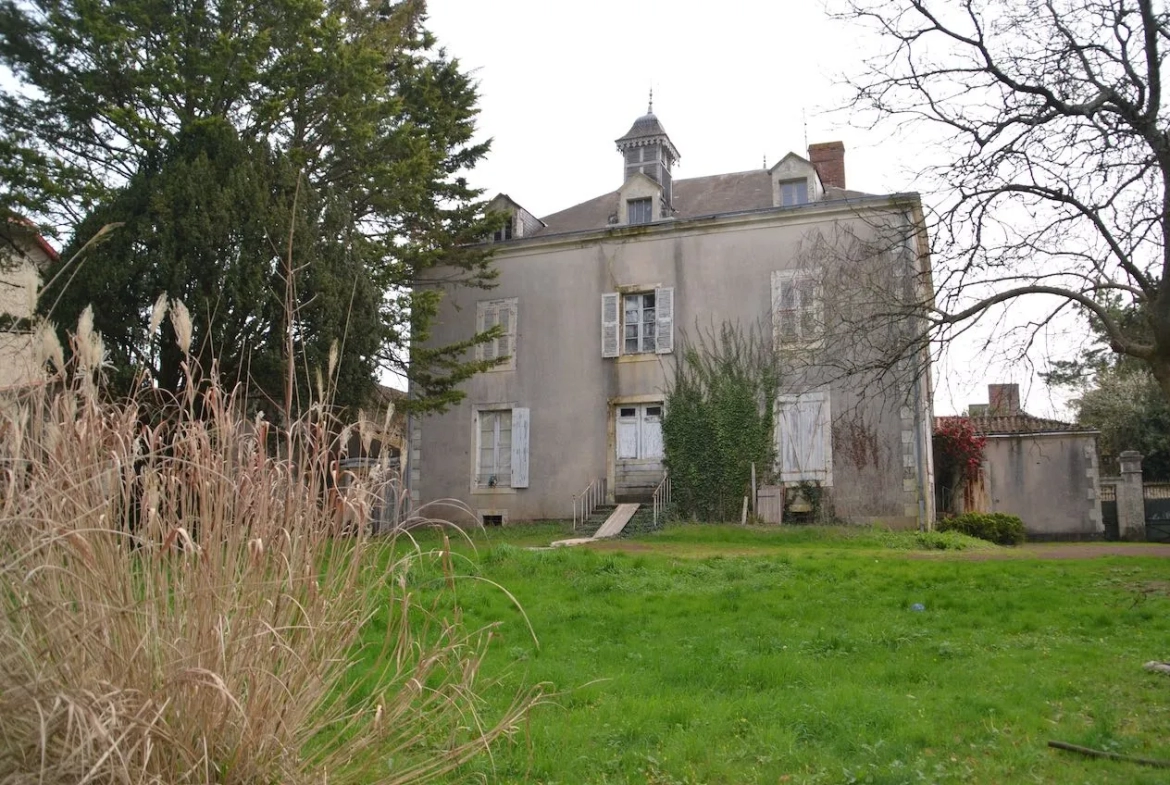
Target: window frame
(647,331)
(800,282)
(639,203)
(801,189)
(490,479)
(507,231)
(491,349)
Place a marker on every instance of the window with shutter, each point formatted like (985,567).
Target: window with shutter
(494,449)
(804,448)
(490,313)
(797,308)
(637,323)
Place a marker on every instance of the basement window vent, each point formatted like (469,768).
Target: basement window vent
(493,520)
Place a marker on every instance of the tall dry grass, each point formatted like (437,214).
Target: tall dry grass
(189,601)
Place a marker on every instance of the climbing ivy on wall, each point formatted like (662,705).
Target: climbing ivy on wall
(719,419)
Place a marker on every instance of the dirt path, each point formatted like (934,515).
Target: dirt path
(1060,550)
(1054,551)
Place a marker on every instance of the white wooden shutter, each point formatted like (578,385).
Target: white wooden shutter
(664,302)
(520,421)
(610,324)
(804,447)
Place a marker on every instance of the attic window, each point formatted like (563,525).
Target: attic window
(640,211)
(793,192)
(505,231)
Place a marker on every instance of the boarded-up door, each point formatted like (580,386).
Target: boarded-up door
(639,451)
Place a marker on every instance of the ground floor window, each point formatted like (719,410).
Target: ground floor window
(501,447)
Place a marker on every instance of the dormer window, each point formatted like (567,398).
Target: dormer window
(793,192)
(640,211)
(505,231)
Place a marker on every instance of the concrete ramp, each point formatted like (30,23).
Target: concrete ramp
(612,527)
(616,521)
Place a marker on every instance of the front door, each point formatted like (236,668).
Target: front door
(638,468)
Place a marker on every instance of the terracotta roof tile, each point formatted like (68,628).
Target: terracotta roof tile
(1013,424)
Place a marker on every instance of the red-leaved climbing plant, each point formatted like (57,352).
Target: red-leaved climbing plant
(958,449)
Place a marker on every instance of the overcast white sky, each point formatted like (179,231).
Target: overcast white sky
(733,81)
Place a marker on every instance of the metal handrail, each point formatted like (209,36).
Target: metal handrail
(585,502)
(661,498)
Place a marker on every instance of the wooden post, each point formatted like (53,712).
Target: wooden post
(755,501)
(743,514)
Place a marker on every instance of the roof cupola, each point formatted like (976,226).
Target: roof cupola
(647,149)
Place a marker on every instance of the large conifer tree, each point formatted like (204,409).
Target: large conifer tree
(211,128)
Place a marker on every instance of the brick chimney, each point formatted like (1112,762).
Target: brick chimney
(1003,399)
(829,160)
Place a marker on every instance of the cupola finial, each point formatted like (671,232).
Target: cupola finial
(650,108)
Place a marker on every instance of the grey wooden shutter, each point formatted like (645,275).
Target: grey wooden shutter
(610,324)
(788,449)
(664,302)
(504,318)
(490,318)
(777,288)
(804,446)
(520,419)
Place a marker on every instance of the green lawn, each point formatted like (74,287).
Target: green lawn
(730,655)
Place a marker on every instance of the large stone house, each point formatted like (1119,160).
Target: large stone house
(24,256)
(595,301)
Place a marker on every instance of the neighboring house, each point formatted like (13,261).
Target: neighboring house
(1044,471)
(594,302)
(24,256)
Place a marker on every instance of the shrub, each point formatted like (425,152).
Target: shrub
(996,527)
(193,601)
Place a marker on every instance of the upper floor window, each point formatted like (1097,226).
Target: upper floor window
(797,317)
(488,314)
(637,322)
(640,325)
(793,192)
(640,211)
(505,231)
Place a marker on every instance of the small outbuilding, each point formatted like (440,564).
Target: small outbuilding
(1045,471)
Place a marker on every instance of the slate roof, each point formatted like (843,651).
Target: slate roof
(694,197)
(646,125)
(1018,424)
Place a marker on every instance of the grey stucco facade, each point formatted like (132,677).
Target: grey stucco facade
(582,411)
(1049,480)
